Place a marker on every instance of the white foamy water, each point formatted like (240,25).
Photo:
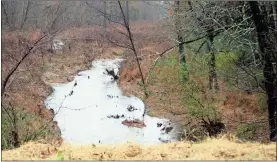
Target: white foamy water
(91,109)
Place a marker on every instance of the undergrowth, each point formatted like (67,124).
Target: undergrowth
(27,126)
(183,89)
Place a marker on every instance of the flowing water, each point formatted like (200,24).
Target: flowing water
(92,109)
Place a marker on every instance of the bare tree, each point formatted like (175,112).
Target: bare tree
(128,34)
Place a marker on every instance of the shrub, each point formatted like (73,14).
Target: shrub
(188,83)
(262,102)
(26,125)
(60,156)
(248,131)
(226,67)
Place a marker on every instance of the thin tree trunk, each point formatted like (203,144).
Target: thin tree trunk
(104,16)
(24,14)
(127,12)
(133,47)
(15,135)
(180,37)
(6,14)
(267,53)
(274,9)
(213,83)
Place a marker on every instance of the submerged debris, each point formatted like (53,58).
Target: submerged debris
(52,111)
(80,74)
(159,124)
(134,123)
(167,129)
(71,93)
(111,96)
(75,84)
(162,140)
(131,108)
(112,73)
(116,116)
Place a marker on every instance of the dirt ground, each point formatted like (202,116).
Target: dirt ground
(223,148)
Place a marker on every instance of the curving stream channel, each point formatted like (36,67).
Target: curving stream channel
(92,109)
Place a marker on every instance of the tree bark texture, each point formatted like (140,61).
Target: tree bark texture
(259,17)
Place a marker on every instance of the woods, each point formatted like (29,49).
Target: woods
(209,66)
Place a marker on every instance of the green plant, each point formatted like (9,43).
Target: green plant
(60,156)
(262,102)
(248,131)
(17,120)
(199,104)
(150,113)
(226,67)
(121,54)
(184,72)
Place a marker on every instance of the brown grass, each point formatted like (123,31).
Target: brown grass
(224,148)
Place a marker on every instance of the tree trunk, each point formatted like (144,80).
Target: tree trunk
(180,37)
(15,135)
(213,84)
(105,14)
(274,8)
(130,36)
(127,12)
(267,52)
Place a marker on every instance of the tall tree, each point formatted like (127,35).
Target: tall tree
(179,8)
(127,12)
(260,18)
(213,83)
(178,25)
(105,15)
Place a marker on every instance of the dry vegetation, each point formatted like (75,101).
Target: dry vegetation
(226,147)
